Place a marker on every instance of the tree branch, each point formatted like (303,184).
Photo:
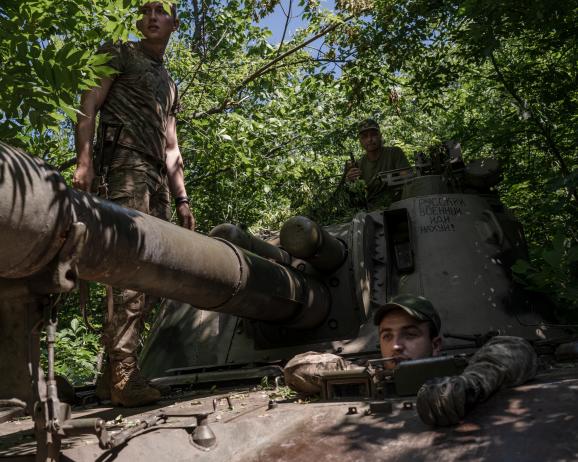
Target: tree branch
(287,20)
(268,67)
(66,164)
(542,126)
(211,175)
(259,72)
(204,8)
(202,61)
(198,30)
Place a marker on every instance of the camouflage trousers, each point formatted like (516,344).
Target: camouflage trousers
(139,183)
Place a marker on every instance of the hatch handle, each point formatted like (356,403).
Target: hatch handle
(497,227)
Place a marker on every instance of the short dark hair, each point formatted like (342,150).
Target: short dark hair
(433,330)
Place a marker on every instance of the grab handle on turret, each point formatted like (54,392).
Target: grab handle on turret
(499,232)
(305,239)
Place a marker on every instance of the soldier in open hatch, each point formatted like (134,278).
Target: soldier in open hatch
(377,158)
(409,328)
(136,161)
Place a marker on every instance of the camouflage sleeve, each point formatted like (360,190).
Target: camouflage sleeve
(502,362)
(114,50)
(302,371)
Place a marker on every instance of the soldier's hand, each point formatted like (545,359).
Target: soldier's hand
(186,218)
(83,177)
(353,174)
(445,401)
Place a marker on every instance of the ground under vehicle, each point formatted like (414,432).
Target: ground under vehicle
(257,305)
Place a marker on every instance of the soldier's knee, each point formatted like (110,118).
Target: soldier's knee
(302,371)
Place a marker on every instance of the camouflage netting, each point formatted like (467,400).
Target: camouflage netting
(302,371)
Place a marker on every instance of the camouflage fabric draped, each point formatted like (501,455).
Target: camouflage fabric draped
(302,371)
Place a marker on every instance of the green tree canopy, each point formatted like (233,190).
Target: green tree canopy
(265,128)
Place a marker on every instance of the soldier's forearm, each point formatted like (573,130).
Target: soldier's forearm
(84,136)
(175,173)
(90,103)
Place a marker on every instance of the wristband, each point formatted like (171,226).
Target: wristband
(181,200)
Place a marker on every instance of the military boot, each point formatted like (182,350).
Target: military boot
(129,388)
(103,385)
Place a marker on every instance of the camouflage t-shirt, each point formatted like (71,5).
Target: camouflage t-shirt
(141,99)
(391,158)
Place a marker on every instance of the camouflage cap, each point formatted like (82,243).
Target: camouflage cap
(416,306)
(367,124)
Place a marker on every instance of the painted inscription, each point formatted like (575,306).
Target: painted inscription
(440,213)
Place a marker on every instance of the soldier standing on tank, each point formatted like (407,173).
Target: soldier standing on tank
(137,161)
(377,158)
(409,328)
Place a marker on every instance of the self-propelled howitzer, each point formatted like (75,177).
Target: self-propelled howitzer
(242,306)
(448,237)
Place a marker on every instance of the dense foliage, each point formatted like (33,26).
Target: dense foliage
(265,128)
(47,57)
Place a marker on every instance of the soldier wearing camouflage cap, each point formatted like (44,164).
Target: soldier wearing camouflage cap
(138,164)
(409,328)
(377,158)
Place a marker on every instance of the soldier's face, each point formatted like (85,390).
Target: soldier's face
(404,337)
(370,140)
(156,24)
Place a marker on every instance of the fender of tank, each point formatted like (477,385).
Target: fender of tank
(448,238)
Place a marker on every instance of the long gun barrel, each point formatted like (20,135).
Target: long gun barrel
(129,249)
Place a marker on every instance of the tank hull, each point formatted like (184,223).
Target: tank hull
(543,411)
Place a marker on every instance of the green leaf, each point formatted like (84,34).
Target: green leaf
(521,267)
(572,255)
(100,58)
(553,257)
(71,112)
